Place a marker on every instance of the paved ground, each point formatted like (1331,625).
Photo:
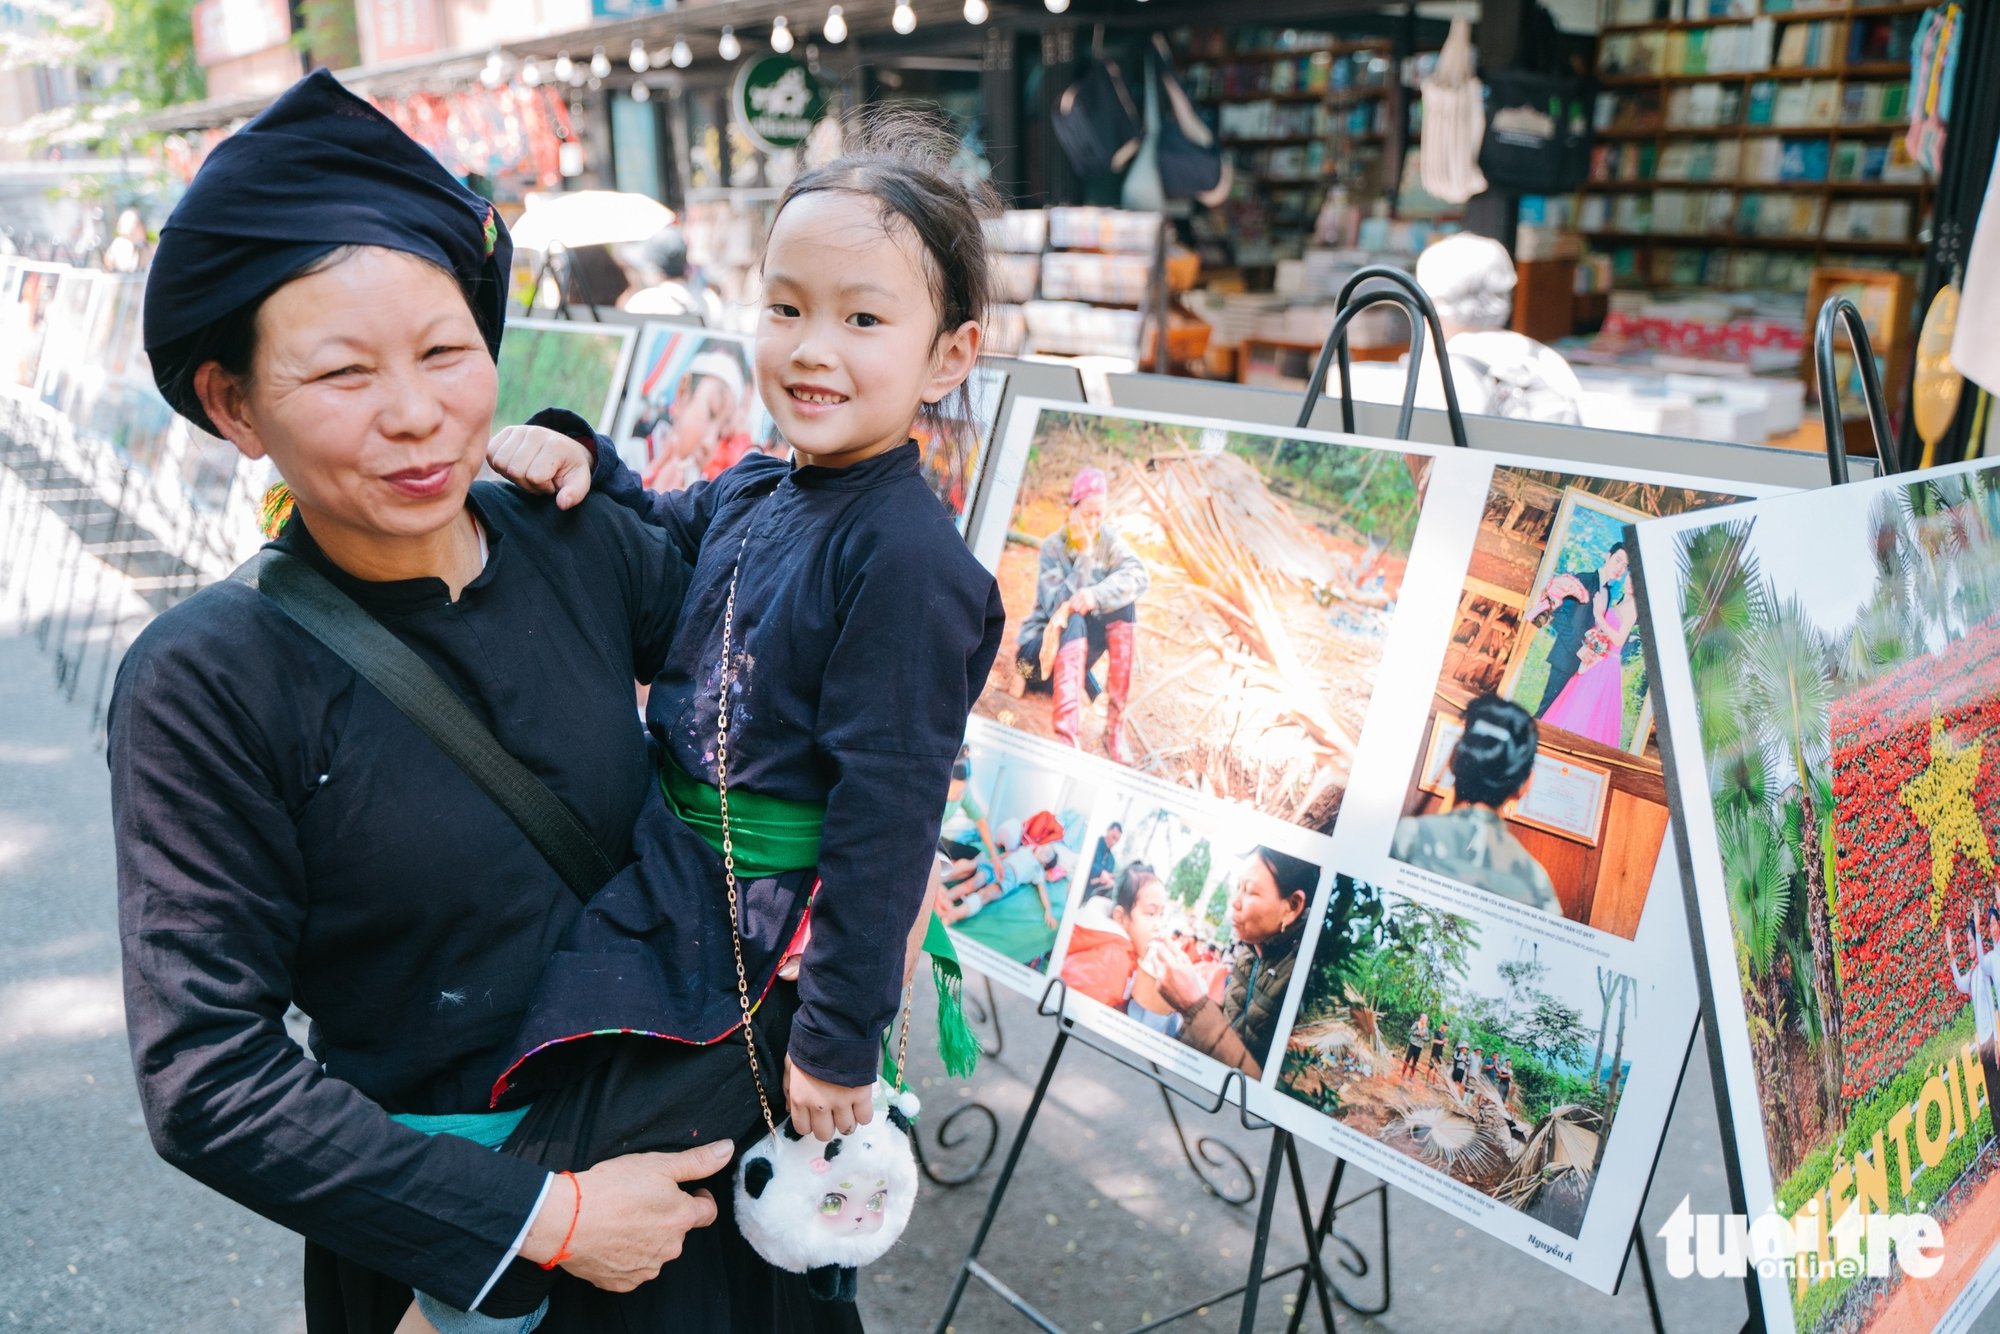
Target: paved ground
(1105,1227)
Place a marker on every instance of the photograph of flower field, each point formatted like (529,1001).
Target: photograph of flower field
(1844,652)
(1461,1047)
(1209,607)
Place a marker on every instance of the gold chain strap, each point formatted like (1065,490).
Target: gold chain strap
(729,859)
(728,844)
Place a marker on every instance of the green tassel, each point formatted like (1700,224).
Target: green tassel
(958,1045)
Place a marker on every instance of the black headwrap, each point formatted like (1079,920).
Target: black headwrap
(319,169)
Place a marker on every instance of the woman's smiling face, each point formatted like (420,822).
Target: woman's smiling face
(372,391)
(848,346)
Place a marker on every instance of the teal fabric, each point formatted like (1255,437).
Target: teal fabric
(1013,925)
(486,1129)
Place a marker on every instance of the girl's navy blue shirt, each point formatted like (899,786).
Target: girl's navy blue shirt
(864,631)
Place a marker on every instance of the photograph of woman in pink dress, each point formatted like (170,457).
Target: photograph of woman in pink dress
(1592,702)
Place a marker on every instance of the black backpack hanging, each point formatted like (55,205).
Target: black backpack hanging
(1538,134)
(1189,168)
(1097,122)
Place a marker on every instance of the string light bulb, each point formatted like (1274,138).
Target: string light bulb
(903,19)
(835,29)
(600,64)
(531,73)
(1056,6)
(637,60)
(494,71)
(781,34)
(976,11)
(564,67)
(641,93)
(727,46)
(683,54)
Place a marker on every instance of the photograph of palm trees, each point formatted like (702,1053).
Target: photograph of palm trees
(1841,654)
(1462,1047)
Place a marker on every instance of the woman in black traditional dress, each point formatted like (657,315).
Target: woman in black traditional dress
(328,297)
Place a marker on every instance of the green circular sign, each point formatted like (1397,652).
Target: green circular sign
(777,101)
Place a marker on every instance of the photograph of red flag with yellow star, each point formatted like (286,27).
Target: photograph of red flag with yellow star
(1830,669)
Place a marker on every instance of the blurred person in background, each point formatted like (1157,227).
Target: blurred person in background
(129,250)
(1497,373)
(671,289)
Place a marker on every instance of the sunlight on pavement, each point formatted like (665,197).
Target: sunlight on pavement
(61,1007)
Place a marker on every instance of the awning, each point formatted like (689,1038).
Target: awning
(699,24)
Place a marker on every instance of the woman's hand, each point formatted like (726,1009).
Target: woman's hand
(631,1215)
(1180,984)
(826,1109)
(535,458)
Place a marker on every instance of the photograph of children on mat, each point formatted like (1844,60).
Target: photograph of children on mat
(691,408)
(1011,841)
(1539,777)
(1189,931)
(1208,607)
(1462,1048)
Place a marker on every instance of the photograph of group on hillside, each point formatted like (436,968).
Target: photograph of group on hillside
(1187,930)
(1206,606)
(1843,655)
(1540,777)
(1461,1047)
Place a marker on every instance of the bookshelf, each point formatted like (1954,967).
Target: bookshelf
(1745,148)
(1298,112)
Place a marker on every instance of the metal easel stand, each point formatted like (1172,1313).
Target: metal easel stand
(979,1013)
(1418,310)
(1282,1167)
(1208,1158)
(1837,311)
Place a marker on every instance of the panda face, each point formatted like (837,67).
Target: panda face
(854,1208)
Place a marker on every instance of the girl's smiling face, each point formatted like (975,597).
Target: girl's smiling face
(848,346)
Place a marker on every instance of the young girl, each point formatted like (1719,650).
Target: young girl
(1110,934)
(835,633)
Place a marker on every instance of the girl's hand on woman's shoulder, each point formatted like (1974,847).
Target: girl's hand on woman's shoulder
(537,459)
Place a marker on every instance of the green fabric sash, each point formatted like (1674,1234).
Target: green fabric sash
(768,834)
(486,1129)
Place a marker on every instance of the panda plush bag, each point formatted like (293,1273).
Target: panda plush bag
(822,1210)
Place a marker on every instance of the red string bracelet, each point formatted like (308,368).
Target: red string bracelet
(575,1212)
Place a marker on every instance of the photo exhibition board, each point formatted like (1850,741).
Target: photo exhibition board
(1715,459)
(562,364)
(1830,667)
(691,409)
(1253,781)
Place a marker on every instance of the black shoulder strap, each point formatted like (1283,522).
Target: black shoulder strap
(393,668)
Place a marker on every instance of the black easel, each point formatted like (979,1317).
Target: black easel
(1317,1224)
(1418,310)
(1839,311)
